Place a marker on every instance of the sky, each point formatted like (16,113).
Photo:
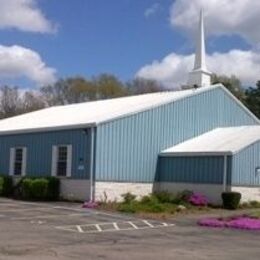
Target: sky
(44,40)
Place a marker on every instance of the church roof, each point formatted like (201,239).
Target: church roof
(227,140)
(92,113)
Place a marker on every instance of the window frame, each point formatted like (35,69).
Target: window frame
(13,161)
(55,160)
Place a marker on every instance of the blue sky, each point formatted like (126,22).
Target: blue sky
(122,37)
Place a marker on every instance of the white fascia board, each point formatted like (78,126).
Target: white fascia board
(191,154)
(47,129)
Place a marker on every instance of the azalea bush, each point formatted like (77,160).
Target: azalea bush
(198,199)
(238,222)
(90,204)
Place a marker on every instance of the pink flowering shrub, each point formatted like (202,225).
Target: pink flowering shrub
(90,205)
(198,199)
(239,222)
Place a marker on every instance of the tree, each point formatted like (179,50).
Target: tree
(141,86)
(108,86)
(68,91)
(82,89)
(232,83)
(78,89)
(252,99)
(32,101)
(10,101)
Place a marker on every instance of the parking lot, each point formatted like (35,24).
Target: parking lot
(73,218)
(67,231)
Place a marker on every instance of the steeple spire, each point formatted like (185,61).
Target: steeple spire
(200,58)
(200,76)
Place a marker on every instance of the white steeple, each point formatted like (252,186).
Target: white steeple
(200,76)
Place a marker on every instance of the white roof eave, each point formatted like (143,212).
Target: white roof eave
(191,154)
(49,129)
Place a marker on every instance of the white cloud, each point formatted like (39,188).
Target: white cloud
(153,9)
(25,16)
(17,61)
(223,17)
(173,70)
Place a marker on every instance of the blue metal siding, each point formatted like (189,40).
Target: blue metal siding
(39,151)
(197,169)
(244,166)
(127,149)
(193,169)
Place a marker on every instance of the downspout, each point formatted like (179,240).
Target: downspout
(92,162)
(225,174)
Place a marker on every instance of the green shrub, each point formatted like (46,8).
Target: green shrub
(39,189)
(26,188)
(153,207)
(184,196)
(139,206)
(145,199)
(231,200)
(44,188)
(128,207)
(6,186)
(165,197)
(128,197)
(254,204)
(53,188)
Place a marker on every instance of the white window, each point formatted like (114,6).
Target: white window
(61,160)
(18,158)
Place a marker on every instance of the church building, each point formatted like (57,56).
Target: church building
(201,139)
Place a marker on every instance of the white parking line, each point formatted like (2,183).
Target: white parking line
(132,224)
(128,225)
(99,229)
(148,224)
(115,226)
(79,229)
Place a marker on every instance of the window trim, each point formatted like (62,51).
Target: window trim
(12,161)
(55,160)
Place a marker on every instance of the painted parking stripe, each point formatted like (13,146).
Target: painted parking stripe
(79,229)
(133,225)
(148,223)
(99,229)
(115,226)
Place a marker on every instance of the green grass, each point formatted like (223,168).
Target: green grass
(251,204)
(255,214)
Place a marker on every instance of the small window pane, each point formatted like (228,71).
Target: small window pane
(18,161)
(62,161)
